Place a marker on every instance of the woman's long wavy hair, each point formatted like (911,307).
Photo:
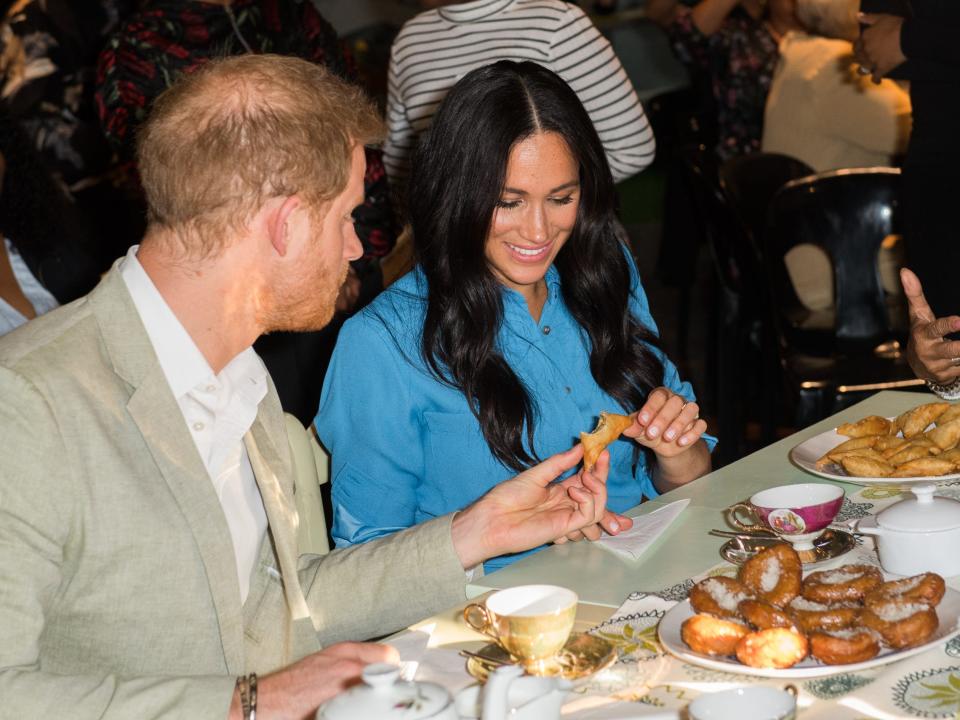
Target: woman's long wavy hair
(458,172)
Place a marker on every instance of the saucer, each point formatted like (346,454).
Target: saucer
(582,655)
(829,545)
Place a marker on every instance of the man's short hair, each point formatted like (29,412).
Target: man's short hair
(830,18)
(238,131)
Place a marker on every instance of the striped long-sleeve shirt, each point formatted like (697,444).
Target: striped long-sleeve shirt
(438,47)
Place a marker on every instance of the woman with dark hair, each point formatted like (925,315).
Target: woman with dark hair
(523,319)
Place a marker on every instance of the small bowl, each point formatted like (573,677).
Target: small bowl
(797,513)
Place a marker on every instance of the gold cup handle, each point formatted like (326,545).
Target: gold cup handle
(485,626)
(792,689)
(748,509)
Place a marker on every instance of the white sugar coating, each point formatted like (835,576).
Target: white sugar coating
(723,595)
(839,576)
(894,612)
(770,577)
(850,633)
(904,586)
(801,603)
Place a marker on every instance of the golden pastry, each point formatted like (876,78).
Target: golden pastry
(923,467)
(910,452)
(870,425)
(915,421)
(859,466)
(945,435)
(608,429)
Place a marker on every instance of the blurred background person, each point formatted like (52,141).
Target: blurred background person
(48,60)
(734,43)
(169,37)
(45,256)
(820,108)
(925,49)
(438,47)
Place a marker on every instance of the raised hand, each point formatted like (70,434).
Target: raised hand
(667,423)
(531,509)
(929,353)
(878,47)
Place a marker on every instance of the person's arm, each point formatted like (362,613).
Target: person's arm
(367,420)
(709,15)
(586,61)
(669,422)
(401,136)
(38,495)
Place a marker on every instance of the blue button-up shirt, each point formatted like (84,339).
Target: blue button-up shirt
(406,448)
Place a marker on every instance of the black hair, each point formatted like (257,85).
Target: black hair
(457,175)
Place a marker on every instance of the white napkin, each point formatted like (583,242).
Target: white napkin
(420,662)
(646,529)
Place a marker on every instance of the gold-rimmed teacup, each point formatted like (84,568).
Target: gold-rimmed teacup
(531,622)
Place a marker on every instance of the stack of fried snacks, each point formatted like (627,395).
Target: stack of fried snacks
(902,447)
(771,618)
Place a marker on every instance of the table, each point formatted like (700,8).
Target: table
(599,577)
(927,685)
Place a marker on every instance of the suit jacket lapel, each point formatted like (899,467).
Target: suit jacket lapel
(269,466)
(157,415)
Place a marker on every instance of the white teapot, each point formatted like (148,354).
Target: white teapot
(384,696)
(509,694)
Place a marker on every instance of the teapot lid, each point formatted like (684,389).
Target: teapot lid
(384,695)
(922,513)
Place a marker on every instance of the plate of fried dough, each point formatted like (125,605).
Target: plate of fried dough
(773,620)
(919,445)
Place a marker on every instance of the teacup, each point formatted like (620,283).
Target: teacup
(531,622)
(756,703)
(797,513)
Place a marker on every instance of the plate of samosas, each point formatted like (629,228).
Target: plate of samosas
(775,621)
(920,445)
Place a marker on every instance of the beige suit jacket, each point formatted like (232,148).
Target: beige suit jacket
(118,589)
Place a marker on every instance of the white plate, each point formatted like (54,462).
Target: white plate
(669,632)
(806,454)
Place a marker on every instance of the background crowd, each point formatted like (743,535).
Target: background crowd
(728,78)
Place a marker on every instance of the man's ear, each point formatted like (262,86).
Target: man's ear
(278,224)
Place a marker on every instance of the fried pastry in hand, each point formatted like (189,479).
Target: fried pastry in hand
(870,425)
(608,429)
(860,466)
(915,421)
(945,435)
(923,467)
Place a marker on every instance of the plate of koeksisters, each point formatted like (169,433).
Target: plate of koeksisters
(774,621)
(920,445)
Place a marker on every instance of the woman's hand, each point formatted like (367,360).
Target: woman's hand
(931,355)
(667,423)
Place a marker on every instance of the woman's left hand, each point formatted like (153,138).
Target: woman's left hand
(667,423)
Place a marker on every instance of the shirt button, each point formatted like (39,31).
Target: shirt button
(567,389)
(211,388)
(198,426)
(546,329)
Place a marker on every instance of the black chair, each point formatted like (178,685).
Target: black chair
(847,213)
(749,183)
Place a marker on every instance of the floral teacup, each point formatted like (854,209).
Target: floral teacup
(797,513)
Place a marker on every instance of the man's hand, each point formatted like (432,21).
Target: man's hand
(531,509)
(667,424)
(878,47)
(931,356)
(296,692)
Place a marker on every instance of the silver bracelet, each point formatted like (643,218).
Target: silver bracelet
(949,391)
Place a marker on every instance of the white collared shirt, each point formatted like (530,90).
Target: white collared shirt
(37,295)
(218,411)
